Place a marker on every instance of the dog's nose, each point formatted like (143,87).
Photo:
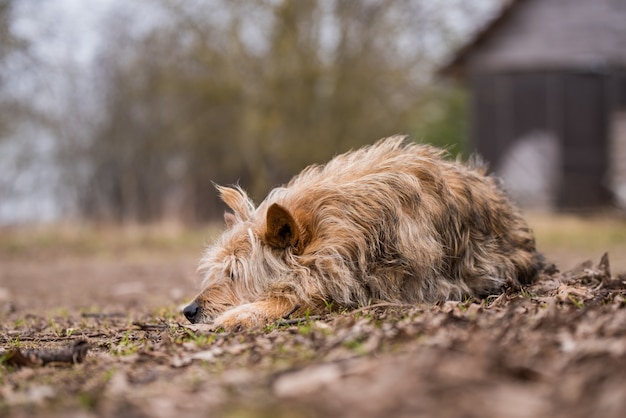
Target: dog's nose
(191,312)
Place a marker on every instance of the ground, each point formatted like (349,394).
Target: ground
(110,298)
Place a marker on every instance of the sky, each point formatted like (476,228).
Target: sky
(62,29)
(63,34)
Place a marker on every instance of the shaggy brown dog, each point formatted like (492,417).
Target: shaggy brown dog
(391,222)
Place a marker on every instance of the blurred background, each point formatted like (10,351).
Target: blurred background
(125,113)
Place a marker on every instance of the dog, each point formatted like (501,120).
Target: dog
(392,222)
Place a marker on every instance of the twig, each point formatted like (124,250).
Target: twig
(151,327)
(295,308)
(54,338)
(104,315)
(295,321)
(74,353)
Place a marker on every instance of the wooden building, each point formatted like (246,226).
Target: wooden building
(547,81)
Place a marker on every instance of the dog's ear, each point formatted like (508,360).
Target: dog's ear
(237,199)
(282,229)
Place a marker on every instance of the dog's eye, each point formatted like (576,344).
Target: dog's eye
(231,274)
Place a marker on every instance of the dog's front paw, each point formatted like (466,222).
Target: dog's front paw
(240,318)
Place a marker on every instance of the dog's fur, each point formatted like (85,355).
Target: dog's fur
(391,222)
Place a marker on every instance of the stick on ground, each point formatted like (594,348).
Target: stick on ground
(74,353)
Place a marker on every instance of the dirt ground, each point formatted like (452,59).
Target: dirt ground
(110,299)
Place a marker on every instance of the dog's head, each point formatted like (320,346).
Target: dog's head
(255,254)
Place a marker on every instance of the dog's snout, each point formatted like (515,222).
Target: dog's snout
(191,312)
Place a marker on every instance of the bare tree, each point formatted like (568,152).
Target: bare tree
(12,50)
(250,92)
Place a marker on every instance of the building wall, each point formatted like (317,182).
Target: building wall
(618,157)
(617,140)
(570,112)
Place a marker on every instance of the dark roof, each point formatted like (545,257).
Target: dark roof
(455,67)
(547,35)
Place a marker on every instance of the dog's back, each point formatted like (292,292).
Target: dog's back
(397,221)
